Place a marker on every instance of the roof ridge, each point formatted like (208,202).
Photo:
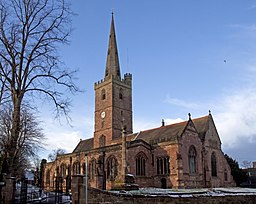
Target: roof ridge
(164,126)
(206,116)
(173,124)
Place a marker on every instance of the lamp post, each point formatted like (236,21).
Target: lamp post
(86,179)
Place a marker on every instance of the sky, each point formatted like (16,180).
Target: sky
(185,57)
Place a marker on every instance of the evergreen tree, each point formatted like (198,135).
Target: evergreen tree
(238,174)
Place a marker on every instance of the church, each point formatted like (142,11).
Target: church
(182,155)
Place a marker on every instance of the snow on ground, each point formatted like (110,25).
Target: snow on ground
(189,192)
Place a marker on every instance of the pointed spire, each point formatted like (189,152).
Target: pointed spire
(112,65)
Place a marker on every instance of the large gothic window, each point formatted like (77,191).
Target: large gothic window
(76,168)
(214,164)
(92,169)
(103,94)
(83,168)
(53,181)
(192,159)
(63,170)
(112,166)
(48,176)
(163,165)
(141,164)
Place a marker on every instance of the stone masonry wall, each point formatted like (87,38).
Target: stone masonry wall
(103,197)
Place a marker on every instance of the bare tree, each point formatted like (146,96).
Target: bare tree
(55,153)
(29,142)
(30,32)
(4,95)
(246,164)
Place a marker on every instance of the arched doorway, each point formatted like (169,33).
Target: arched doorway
(163,183)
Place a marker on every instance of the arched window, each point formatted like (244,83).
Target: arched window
(83,168)
(214,164)
(53,181)
(63,170)
(92,169)
(76,168)
(112,166)
(163,165)
(141,164)
(121,94)
(103,94)
(48,176)
(192,159)
(57,170)
(225,175)
(102,141)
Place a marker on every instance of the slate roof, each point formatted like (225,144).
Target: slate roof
(202,125)
(163,133)
(157,135)
(84,145)
(172,132)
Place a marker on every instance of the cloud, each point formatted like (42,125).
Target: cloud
(181,103)
(145,124)
(169,121)
(244,31)
(236,117)
(244,151)
(65,136)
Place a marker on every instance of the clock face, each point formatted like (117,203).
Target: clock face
(103,114)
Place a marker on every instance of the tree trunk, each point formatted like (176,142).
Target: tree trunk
(15,131)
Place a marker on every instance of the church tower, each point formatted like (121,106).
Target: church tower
(113,99)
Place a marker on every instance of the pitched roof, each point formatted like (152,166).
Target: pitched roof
(84,145)
(172,132)
(164,133)
(157,135)
(202,125)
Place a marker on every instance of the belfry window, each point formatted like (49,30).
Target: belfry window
(141,164)
(192,159)
(102,141)
(112,168)
(103,94)
(121,94)
(214,164)
(163,165)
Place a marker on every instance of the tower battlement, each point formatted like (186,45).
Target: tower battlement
(127,80)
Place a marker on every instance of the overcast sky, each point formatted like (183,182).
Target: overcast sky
(185,56)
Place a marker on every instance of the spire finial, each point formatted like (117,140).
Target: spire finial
(189,116)
(210,112)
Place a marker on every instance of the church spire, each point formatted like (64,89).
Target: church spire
(112,65)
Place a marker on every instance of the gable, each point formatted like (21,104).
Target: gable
(212,138)
(190,126)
